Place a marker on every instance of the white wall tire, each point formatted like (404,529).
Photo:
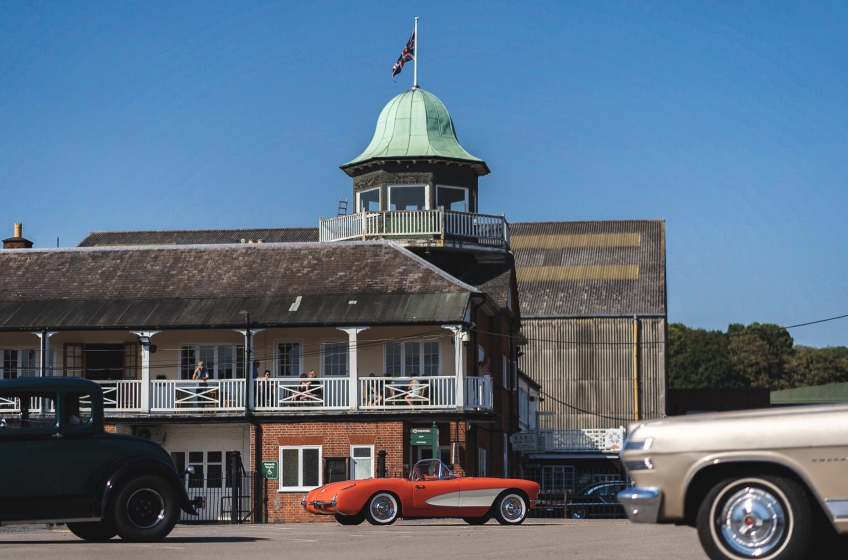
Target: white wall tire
(762,517)
(382,509)
(510,508)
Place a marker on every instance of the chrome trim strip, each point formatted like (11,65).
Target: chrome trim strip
(838,508)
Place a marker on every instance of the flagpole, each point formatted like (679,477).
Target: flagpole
(415,59)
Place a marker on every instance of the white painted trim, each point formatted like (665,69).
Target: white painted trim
(301,487)
(373,461)
(322,354)
(467,197)
(420,342)
(379,199)
(427,205)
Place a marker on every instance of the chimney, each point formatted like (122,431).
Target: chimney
(18,241)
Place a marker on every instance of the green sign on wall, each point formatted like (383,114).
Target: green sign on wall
(423,436)
(271,469)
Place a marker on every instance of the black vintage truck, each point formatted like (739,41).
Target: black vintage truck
(58,465)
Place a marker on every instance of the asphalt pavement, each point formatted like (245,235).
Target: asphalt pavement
(406,540)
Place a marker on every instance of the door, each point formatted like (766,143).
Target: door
(435,498)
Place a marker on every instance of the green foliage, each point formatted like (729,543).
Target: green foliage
(756,356)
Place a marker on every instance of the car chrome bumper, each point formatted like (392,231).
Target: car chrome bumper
(325,508)
(642,505)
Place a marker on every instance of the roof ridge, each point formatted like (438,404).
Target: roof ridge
(434,268)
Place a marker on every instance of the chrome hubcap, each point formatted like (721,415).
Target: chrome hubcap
(753,522)
(383,508)
(512,508)
(145,508)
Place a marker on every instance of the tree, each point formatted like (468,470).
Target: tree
(759,353)
(817,366)
(698,359)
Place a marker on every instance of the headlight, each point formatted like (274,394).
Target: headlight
(641,465)
(643,445)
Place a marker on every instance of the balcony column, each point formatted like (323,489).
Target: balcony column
(44,339)
(249,358)
(145,367)
(353,365)
(459,364)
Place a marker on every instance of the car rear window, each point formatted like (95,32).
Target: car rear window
(26,410)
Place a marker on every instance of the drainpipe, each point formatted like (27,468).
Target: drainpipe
(258,482)
(635,368)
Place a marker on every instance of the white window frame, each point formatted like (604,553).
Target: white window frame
(467,197)
(20,361)
(353,461)
(359,200)
(403,343)
(300,487)
(213,374)
(427,205)
(276,369)
(323,343)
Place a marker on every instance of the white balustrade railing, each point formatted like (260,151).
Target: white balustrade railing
(326,393)
(409,392)
(588,439)
(195,396)
(122,395)
(482,227)
(478,392)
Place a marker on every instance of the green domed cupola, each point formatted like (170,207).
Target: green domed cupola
(414,161)
(416,124)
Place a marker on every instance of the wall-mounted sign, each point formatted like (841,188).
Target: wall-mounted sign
(527,442)
(271,469)
(423,436)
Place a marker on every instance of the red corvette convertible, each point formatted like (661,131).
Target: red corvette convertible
(431,490)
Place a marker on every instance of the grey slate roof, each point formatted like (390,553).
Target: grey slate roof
(201,286)
(568,269)
(198,237)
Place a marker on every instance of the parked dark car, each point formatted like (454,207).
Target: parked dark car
(57,464)
(598,501)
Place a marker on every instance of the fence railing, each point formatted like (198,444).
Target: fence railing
(123,395)
(325,393)
(195,396)
(565,491)
(486,229)
(478,392)
(409,392)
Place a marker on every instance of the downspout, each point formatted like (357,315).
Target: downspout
(635,368)
(258,482)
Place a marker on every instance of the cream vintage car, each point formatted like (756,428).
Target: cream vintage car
(764,484)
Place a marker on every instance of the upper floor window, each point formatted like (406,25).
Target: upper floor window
(334,359)
(408,198)
(288,358)
(224,361)
(452,198)
(18,363)
(368,201)
(413,358)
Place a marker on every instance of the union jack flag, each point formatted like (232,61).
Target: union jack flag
(405,56)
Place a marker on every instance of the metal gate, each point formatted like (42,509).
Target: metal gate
(231,498)
(565,491)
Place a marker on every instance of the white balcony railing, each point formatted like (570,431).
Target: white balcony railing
(482,228)
(121,396)
(196,396)
(280,394)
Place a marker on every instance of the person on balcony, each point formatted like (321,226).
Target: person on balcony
(415,393)
(201,374)
(374,396)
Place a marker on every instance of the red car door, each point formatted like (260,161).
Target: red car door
(435,498)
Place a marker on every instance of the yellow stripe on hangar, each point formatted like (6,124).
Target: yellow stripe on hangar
(575,241)
(578,272)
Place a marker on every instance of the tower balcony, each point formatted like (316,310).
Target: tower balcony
(419,227)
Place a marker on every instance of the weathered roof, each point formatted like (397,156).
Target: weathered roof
(416,124)
(493,278)
(206,286)
(198,237)
(572,269)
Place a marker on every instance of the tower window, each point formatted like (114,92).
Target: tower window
(368,201)
(408,198)
(452,198)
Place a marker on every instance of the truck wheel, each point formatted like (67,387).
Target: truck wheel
(382,509)
(146,509)
(350,519)
(763,517)
(511,508)
(99,531)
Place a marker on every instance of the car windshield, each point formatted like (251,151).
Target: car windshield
(430,469)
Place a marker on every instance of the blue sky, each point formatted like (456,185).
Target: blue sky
(726,120)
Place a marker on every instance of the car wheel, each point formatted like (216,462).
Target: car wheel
(100,531)
(350,519)
(511,508)
(578,513)
(382,509)
(476,520)
(146,510)
(767,518)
